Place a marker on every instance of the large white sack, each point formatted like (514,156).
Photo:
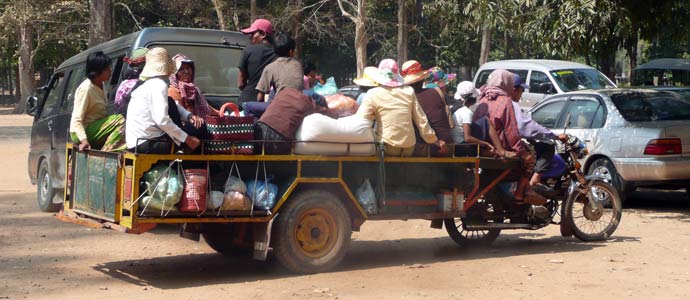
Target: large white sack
(321,128)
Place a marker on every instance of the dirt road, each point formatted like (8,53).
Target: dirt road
(43,258)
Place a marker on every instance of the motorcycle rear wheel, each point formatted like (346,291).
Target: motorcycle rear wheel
(594,223)
(469,238)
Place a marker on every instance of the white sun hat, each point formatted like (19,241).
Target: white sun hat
(158,63)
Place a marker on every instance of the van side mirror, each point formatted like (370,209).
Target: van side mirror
(31,105)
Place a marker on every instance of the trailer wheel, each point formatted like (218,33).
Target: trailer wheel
(220,238)
(312,232)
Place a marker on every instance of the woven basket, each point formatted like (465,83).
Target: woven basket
(230,128)
(195,190)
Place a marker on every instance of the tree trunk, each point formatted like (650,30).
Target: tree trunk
(506,40)
(218,5)
(465,73)
(17,86)
(297,32)
(402,32)
(26,66)
(485,46)
(361,37)
(101,22)
(252,10)
(631,48)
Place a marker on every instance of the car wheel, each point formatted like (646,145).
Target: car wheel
(45,190)
(605,168)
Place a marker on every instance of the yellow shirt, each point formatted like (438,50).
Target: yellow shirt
(395,110)
(89,106)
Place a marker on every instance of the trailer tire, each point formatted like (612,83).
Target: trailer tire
(312,232)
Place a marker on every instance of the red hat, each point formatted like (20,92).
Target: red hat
(259,24)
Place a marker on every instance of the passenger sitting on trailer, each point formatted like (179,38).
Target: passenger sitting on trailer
(153,119)
(282,118)
(396,111)
(433,103)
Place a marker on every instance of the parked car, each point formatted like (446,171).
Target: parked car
(216,55)
(636,137)
(546,77)
(352,91)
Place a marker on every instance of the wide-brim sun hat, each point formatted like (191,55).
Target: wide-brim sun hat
(412,72)
(367,78)
(438,78)
(158,63)
(259,24)
(466,88)
(388,74)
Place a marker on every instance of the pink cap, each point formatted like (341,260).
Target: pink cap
(259,24)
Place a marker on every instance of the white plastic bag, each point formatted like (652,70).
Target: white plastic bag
(214,200)
(366,197)
(333,133)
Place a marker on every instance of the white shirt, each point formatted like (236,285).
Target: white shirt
(461,116)
(147,114)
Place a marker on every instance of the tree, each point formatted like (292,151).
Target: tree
(218,5)
(358,16)
(101,22)
(402,32)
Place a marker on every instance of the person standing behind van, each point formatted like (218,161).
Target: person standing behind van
(255,58)
(90,126)
(135,64)
(153,119)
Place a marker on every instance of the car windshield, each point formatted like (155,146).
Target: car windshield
(580,79)
(215,67)
(651,106)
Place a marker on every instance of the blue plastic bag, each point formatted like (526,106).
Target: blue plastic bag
(263,193)
(329,88)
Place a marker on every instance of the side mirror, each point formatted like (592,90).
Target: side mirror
(31,105)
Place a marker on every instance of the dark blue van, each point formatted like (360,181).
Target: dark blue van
(216,55)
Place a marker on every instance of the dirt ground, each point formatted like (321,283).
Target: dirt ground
(43,258)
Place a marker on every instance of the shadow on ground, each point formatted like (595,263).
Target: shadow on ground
(183,271)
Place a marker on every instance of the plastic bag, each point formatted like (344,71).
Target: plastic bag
(342,105)
(234,183)
(329,88)
(164,186)
(263,193)
(236,201)
(366,197)
(214,200)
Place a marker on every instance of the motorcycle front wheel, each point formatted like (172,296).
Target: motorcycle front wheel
(598,219)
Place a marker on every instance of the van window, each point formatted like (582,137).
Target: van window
(484,76)
(583,113)
(215,67)
(55,92)
(538,82)
(580,79)
(110,86)
(76,77)
(548,114)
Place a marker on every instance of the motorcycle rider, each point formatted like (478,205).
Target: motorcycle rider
(540,137)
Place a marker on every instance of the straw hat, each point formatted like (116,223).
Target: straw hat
(158,63)
(412,72)
(367,78)
(388,74)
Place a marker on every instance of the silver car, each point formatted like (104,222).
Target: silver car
(636,137)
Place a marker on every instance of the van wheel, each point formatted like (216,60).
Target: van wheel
(312,232)
(605,168)
(45,190)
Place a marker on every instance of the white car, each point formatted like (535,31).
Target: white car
(636,137)
(546,77)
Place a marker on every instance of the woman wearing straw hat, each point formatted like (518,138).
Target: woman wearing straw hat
(365,83)
(433,103)
(90,126)
(396,111)
(153,119)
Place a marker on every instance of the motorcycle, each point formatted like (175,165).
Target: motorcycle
(587,207)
